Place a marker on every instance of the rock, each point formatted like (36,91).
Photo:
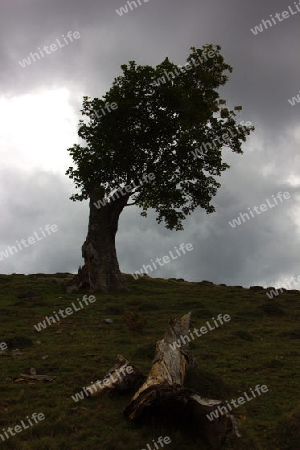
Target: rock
(108,321)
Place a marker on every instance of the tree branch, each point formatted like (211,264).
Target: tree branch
(130,204)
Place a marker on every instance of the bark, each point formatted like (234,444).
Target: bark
(121,378)
(168,370)
(101,270)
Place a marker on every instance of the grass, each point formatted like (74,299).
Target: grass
(259,345)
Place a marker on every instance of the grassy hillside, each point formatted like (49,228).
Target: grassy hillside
(259,345)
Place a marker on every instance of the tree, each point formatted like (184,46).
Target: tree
(143,145)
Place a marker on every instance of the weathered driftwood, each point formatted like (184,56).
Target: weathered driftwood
(168,370)
(121,377)
(164,389)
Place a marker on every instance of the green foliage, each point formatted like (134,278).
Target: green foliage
(154,129)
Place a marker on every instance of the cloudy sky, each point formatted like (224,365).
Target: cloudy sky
(40,107)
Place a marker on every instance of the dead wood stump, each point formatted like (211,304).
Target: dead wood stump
(164,389)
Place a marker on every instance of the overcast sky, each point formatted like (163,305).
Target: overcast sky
(40,108)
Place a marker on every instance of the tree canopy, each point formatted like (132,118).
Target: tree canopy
(156,127)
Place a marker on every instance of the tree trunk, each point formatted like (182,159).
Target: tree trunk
(101,270)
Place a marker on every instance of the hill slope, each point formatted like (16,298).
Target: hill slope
(259,345)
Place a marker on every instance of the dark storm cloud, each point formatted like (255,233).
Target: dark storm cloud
(266,74)
(30,201)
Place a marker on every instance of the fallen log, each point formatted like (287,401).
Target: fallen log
(163,389)
(33,376)
(122,377)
